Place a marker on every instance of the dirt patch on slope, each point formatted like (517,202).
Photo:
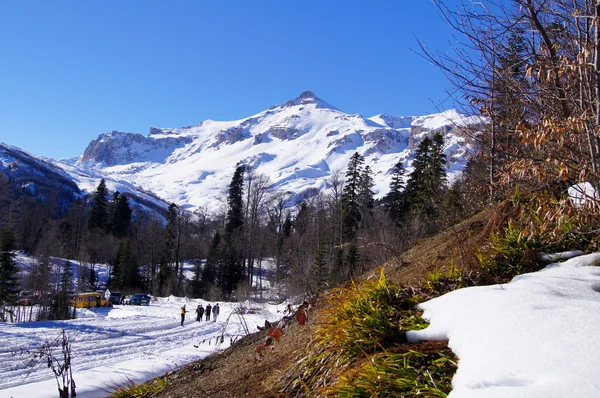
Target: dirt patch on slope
(235,372)
(455,246)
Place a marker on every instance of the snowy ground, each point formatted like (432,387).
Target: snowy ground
(113,345)
(535,337)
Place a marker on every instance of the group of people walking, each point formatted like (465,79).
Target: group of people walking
(201,311)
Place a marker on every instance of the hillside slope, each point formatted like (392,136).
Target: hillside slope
(235,373)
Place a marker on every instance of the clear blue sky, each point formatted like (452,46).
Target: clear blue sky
(71,70)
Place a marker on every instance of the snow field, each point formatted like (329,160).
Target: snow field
(113,345)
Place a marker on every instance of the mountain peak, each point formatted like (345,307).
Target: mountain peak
(308,97)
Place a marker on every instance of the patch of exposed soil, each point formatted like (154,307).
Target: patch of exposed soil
(235,372)
(455,246)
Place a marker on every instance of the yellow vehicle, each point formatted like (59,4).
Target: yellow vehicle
(89,300)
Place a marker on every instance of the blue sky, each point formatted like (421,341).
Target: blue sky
(74,69)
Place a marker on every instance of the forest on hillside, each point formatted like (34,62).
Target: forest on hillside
(531,67)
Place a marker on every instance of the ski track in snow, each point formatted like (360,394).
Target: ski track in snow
(106,337)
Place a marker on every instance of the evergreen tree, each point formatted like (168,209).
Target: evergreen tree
(83,279)
(318,273)
(350,197)
(98,220)
(352,259)
(427,183)
(394,199)
(129,274)
(436,170)
(196,282)
(121,220)
(453,207)
(165,273)
(9,271)
(340,273)
(61,305)
(93,278)
(287,225)
(233,264)
(365,192)
(210,270)
(416,193)
(235,201)
(66,277)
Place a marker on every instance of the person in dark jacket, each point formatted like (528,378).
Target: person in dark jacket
(183,311)
(208,309)
(215,312)
(199,312)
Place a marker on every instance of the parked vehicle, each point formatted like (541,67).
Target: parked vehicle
(25,300)
(139,299)
(116,298)
(89,300)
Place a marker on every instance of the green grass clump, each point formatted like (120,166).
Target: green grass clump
(361,319)
(359,325)
(513,252)
(441,281)
(409,374)
(144,390)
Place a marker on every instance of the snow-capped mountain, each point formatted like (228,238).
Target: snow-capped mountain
(297,145)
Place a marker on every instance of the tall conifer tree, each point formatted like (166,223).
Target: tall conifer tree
(99,214)
(394,199)
(121,220)
(233,262)
(351,214)
(9,271)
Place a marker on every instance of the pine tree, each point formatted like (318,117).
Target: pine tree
(9,271)
(165,273)
(352,259)
(99,214)
(61,306)
(436,170)
(350,197)
(394,199)
(318,273)
(93,278)
(427,183)
(121,220)
(83,278)
(365,192)
(129,275)
(416,193)
(209,272)
(233,262)
(66,277)
(235,201)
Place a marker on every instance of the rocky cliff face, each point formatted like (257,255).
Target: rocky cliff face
(118,147)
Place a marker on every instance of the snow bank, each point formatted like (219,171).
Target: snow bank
(533,337)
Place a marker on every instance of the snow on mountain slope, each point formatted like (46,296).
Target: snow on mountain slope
(43,179)
(298,145)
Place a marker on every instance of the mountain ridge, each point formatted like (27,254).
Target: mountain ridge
(298,145)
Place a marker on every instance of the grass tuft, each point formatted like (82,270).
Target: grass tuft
(352,354)
(133,390)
